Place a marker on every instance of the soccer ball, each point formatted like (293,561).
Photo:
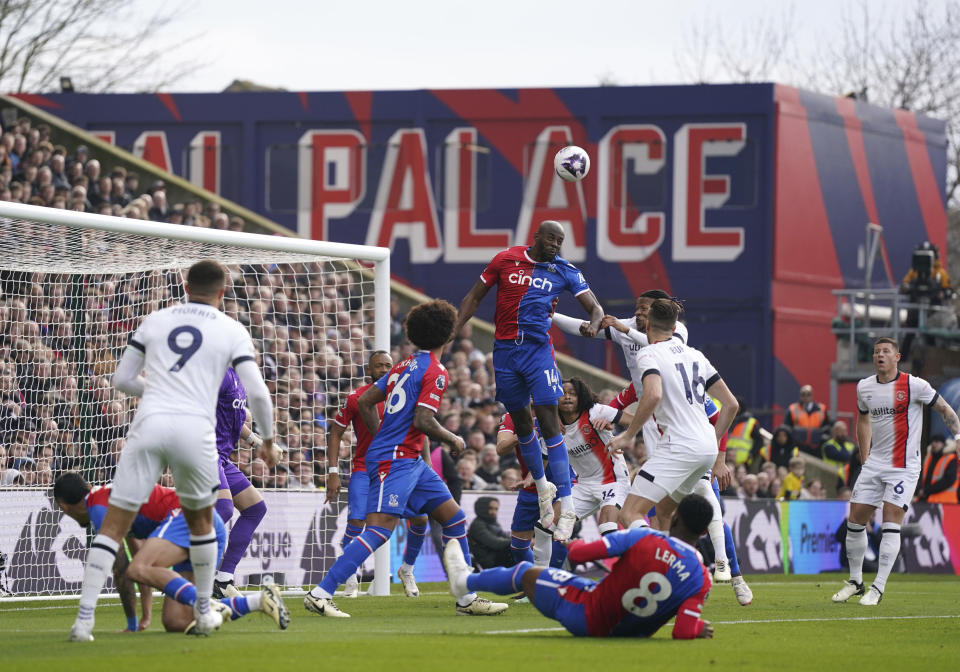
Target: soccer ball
(572,163)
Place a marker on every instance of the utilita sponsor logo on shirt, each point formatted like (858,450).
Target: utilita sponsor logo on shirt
(521,278)
(881,411)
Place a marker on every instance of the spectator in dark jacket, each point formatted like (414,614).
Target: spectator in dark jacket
(782,446)
(489,544)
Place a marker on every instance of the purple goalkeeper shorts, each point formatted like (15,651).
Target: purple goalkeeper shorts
(232,479)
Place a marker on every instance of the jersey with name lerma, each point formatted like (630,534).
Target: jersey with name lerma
(528,292)
(187,349)
(685,375)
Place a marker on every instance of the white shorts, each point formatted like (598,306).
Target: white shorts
(651,437)
(877,485)
(589,497)
(185,443)
(671,473)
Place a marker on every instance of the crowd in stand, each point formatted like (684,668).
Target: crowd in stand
(59,345)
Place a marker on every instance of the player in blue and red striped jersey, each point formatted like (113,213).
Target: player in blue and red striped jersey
(159,539)
(401,483)
(657,577)
(529,283)
(378,365)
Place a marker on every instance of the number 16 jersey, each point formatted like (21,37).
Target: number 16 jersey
(187,349)
(685,375)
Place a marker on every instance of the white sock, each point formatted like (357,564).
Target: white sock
(566,504)
(320,593)
(541,483)
(856,547)
(203,557)
(639,522)
(460,584)
(542,547)
(889,550)
(467,599)
(607,528)
(253,601)
(100,557)
(224,577)
(407,569)
(715,530)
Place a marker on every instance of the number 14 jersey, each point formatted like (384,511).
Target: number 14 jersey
(187,349)
(685,374)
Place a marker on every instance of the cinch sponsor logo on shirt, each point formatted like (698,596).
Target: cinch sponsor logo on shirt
(521,278)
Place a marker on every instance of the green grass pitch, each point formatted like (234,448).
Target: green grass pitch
(792,625)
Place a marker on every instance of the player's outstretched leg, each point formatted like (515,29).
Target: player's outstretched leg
(320,599)
(499,580)
(268,601)
(351,587)
(240,536)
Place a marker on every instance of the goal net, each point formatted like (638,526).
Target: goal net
(75,286)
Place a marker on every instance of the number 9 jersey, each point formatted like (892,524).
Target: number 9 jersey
(187,349)
(419,380)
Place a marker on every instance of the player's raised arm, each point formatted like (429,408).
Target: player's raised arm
(611,545)
(590,304)
(611,322)
(470,302)
(573,325)
(367,404)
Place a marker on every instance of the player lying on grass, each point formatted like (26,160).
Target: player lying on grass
(161,540)
(657,577)
(401,483)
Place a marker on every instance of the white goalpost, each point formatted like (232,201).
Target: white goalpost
(73,286)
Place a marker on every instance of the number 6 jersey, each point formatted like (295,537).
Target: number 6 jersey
(187,349)
(685,375)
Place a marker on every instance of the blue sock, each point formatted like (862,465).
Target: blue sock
(731,550)
(530,452)
(456,528)
(238,605)
(559,554)
(351,533)
(499,580)
(415,536)
(353,556)
(520,549)
(559,465)
(181,590)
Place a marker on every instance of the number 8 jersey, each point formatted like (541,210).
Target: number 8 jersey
(419,380)
(187,349)
(685,375)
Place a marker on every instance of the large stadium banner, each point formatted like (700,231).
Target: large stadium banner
(42,550)
(747,201)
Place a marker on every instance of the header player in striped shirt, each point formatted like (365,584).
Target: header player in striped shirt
(888,432)
(529,283)
(656,578)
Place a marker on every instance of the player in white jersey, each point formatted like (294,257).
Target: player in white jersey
(602,479)
(888,431)
(675,379)
(184,350)
(630,335)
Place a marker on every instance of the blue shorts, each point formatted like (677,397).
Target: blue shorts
(405,488)
(357,490)
(174,529)
(526,370)
(526,513)
(568,607)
